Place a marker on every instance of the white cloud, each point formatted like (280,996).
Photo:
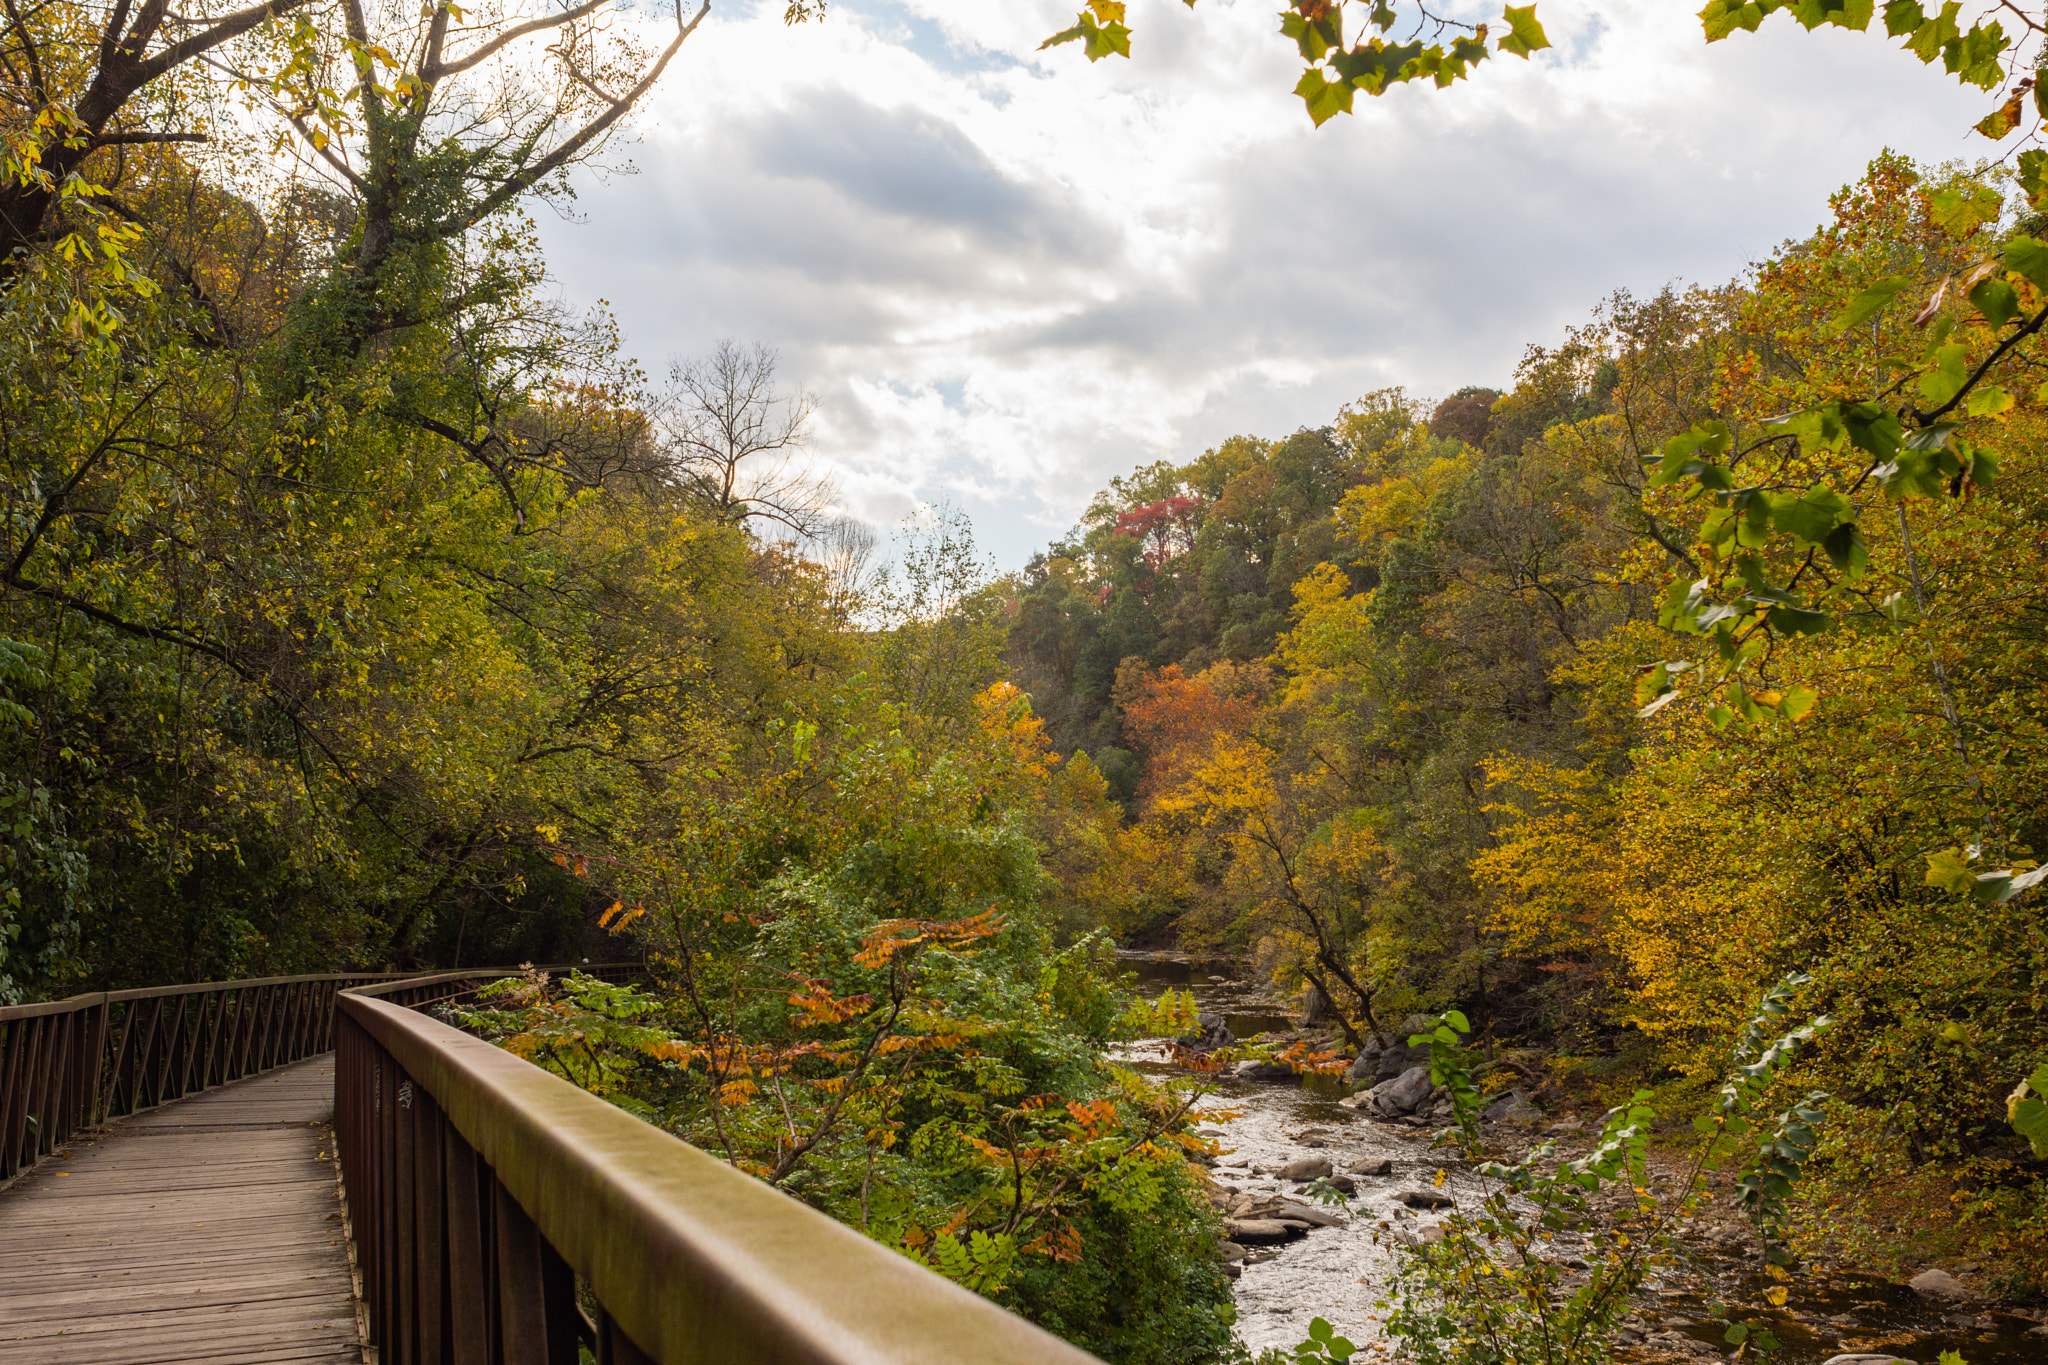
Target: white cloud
(1009,274)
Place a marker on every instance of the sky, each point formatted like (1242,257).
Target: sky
(1007,275)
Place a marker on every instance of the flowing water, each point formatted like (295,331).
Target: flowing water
(1340,1273)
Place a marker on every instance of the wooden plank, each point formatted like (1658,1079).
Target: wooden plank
(205,1230)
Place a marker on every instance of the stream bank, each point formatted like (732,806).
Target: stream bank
(1340,1272)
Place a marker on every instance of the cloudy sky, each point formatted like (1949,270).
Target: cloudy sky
(1007,275)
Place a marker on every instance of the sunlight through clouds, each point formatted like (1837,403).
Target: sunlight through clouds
(1008,275)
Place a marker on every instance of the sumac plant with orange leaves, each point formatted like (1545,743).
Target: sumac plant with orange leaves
(857,995)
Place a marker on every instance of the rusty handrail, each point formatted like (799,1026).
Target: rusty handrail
(481,1188)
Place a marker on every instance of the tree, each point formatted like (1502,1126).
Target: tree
(734,443)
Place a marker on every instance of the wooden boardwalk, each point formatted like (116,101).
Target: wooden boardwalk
(206,1230)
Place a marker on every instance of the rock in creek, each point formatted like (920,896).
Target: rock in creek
(1259,1231)
(1303,1213)
(1416,1237)
(1256,1070)
(1382,1166)
(1866,1360)
(1308,1168)
(1403,1095)
(1513,1107)
(1938,1284)
(1210,1033)
(1231,1251)
(1398,1056)
(1424,1199)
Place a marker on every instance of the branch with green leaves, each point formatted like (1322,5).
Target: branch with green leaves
(1782,552)
(1402,42)
(1395,44)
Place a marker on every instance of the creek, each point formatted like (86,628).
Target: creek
(1341,1273)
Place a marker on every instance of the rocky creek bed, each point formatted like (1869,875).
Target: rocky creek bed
(1302,1260)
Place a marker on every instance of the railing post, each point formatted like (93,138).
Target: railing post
(536,1291)
(470,1240)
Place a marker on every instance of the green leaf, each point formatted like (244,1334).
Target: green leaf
(1948,376)
(1996,300)
(1798,620)
(1681,455)
(1798,701)
(1932,35)
(1524,34)
(1847,551)
(2028,1114)
(2033,171)
(1325,98)
(1850,14)
(1902,17)
(1973,58)
(1962,209)
(1373,65)
(2028,256)
(1315,37)
(1949,871)
(1873,430)
(1988,401)
(1811,517)
(1723,17)
(1869,303)
(1099,39)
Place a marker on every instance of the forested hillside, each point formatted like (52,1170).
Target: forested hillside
(362,606)
(1420,706)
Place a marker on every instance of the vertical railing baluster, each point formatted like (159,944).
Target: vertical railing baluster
(522,1305)
(430,1246)
(404,1349)
(469,1246)
(614,1347)
(39,1086)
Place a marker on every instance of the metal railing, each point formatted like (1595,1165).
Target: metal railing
(490,1200)
(69,1064)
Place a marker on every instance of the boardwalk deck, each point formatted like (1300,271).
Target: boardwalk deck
(207,1230)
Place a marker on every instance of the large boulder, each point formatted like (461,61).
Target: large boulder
(1307,1168)
(1365,1066)
(1403,1094)
(1938,1284)
(1397,1056)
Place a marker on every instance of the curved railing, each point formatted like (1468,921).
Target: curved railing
(69,1064)
(491,1201)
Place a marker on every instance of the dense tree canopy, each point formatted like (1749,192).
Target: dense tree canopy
(1403,705)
